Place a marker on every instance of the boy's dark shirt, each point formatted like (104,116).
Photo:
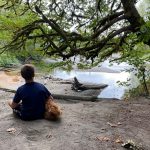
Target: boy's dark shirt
(33,96)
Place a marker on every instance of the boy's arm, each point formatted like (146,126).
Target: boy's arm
(51,98)
(12,104)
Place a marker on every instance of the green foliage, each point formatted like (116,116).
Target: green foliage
(138,91)
(30,53)
(26,56)
(138,57)
(49,67)
(11,21)
(125,83)
(84,66)
(8,60)
(145,32)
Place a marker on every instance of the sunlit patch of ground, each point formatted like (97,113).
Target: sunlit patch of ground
(10,80)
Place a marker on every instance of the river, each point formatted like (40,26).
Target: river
(103,74)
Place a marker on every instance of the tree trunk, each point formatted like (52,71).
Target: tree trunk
(132,14)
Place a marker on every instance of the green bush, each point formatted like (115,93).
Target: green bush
(8,60)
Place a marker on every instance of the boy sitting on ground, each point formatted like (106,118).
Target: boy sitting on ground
(30,98)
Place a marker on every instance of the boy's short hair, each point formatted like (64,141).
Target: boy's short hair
(27,72)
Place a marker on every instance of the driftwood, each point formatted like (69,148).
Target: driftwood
(77,86)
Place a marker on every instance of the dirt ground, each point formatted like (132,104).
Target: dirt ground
(84,125)
(102,125)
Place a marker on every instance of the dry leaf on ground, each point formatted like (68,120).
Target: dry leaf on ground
(118,141)
(111,124)
(11,130)
(103,138)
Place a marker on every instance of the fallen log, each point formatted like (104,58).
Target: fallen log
(77,86)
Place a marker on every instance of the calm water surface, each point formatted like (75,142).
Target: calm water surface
(114,90)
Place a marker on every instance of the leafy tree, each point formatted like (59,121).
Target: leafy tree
(138,58)
(92,28)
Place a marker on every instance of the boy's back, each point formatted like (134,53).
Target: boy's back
(33,96)
(29,100)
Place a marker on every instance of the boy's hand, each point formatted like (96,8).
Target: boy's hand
(12,104)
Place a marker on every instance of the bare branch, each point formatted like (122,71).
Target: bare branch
(112,5)
(52,23)
(109,24)
(108,18)
(101,43)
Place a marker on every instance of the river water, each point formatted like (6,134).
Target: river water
(103,74)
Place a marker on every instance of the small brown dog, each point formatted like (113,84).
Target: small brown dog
(52,110)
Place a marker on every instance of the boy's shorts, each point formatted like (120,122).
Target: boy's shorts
(17,113)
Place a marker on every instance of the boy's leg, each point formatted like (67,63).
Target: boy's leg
(17,111)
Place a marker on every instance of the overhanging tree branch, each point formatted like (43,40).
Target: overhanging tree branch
(101,43)
(97,25)
(52,23)
(109,24)
(108,18)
